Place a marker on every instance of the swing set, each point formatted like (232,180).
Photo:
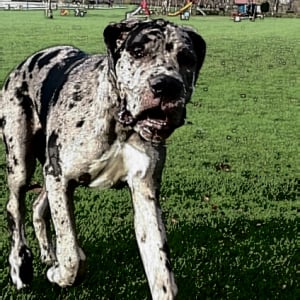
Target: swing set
(162,7)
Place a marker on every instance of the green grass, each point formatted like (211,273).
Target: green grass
(230,190)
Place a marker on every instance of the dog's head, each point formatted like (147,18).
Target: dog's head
(155,64)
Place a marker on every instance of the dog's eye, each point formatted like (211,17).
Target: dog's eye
(186,58)
(137,51)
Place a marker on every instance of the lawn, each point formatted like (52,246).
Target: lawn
(230,192)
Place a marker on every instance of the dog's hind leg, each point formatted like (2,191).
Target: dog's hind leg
(41,222)
(18,123)
(20,167)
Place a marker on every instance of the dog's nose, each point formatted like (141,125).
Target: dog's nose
(166,87)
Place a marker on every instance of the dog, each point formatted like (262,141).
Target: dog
(98,121)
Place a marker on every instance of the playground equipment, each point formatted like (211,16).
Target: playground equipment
(48,9)
(141,9)
(64,12)
(161,7)
(79,12)
(200,10)
(49,13)
(182,10)
(250,11)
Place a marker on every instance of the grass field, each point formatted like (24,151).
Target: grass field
(230,190)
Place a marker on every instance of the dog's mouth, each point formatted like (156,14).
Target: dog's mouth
(154,124)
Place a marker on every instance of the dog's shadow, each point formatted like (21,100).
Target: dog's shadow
(224,260)
(214,257)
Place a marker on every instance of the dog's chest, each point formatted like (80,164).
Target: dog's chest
(122,162)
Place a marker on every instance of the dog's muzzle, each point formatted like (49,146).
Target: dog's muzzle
(167,88)
(163,111)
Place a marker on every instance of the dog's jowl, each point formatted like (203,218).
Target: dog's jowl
(96,120)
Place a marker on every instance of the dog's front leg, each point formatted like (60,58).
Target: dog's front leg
(70,265)
(143,179)
(152,242)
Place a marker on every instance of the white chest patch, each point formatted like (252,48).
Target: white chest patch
(136,162)
(122,162)
(108,169)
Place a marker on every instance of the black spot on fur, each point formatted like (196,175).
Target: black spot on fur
(98,65)
(77,96)
(137,37)
(10,222)
(47,58)
(111,137)
(26,269)
(53,152)
(23,88)
(34,60)
(71,105)
(10,169)
(5,144)
(6,83)
(55,80)
(15,161)
(80,123)
(39,140)
(24,99)
(20,65)
(169,47)
(2,122)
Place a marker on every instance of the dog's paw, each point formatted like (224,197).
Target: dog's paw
(60,276)
(71,275)
(21,270)
(19,284)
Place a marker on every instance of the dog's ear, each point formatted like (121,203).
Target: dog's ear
(199,46)
(115,34)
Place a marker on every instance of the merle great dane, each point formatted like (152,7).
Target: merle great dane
(96,120)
